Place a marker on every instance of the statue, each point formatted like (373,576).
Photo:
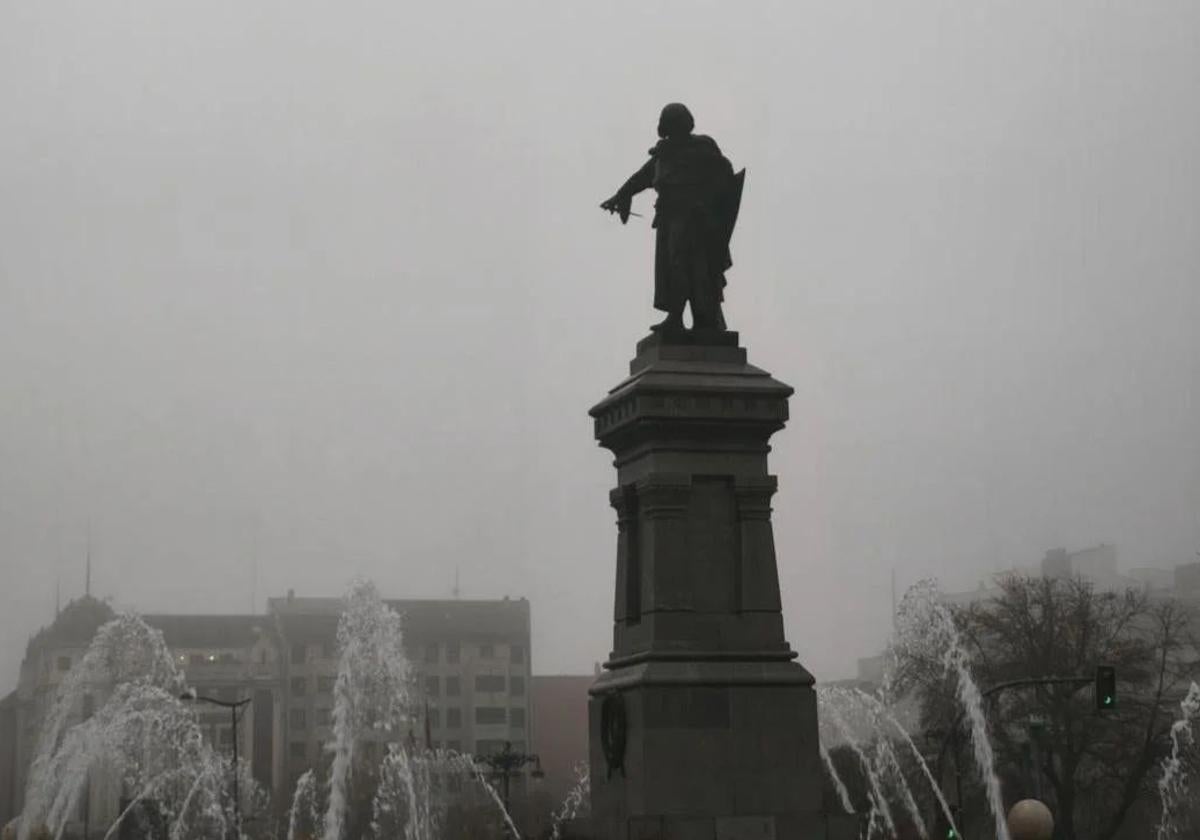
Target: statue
(698,200)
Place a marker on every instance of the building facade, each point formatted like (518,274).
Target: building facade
(562,735)
(470,663)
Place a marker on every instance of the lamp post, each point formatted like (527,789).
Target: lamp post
(506,764)
(233,706)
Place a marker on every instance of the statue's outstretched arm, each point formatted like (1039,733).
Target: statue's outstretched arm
(620,203)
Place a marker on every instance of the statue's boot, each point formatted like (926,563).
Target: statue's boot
(671,324)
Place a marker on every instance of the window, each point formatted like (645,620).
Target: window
(516,685)
(434,718)
(297,751)
(324,717)
(453,652)
(196,659)
(299,684)
(488,746)
(454,718)
(487,651)
(517,653)
(431,653)
(433,686)
(457,747)
(228,659)
(299,654)
(296,719)
(64,663)
(516,718)
(489,683)
(489,715)
(453,686)
(325,685)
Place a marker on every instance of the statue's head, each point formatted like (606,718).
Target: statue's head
(675,121)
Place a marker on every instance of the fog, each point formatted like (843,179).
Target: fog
(292,292)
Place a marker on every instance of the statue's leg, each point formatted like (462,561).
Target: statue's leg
(670,274)
(705,294)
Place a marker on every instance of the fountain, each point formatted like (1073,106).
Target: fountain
(371,694)
(145,741)
(870,727)
(926,629)
(140,738)
(1173,784)
(880,813)
(304,816)
(373,706)
(574,803)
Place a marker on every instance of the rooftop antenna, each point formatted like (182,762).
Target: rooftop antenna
(87,575)
(455,591)
(57,598)
(894,622)
(254,570)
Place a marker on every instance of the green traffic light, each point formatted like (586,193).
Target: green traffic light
(1108,700)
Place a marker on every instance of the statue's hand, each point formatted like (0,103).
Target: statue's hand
(618,204)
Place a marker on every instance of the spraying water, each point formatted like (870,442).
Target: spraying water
(883,712)
(925,623)
(879,804)
(416,788)
(371,695)
(839,785)
(573,802)
(304,816)
(140,738)
(1173,784)
(404,803)
(495,795)
(373,705)
(854,709)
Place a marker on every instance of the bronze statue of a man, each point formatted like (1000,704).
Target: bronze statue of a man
(698,199)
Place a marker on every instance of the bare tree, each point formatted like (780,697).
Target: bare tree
(1097,769)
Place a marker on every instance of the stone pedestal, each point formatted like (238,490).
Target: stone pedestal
(703,727)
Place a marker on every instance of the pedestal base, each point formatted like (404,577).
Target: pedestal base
(710,751)
(703,726)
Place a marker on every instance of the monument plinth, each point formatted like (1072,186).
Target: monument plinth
(703,727)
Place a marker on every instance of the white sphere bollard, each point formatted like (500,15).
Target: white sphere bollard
(1030,819)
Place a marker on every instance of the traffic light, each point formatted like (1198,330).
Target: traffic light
(1106,687)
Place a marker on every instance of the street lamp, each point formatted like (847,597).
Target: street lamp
(506,764)
(233,705)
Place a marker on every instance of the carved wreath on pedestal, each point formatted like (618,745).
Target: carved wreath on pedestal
(613,731)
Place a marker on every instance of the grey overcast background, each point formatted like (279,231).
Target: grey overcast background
(292,292)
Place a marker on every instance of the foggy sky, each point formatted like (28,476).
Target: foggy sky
(323,290)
